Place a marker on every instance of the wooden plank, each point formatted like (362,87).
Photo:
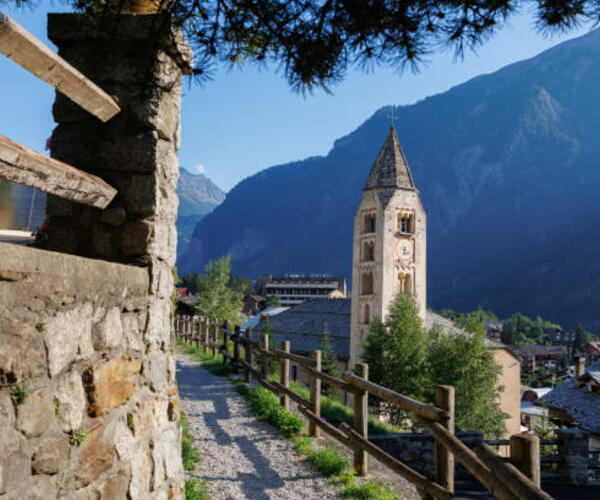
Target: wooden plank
(444,460)
(25,166)
(361,419)
(408,473)
(301,360)
(30,53)
(412,405)
(517,482)
(468,459)
(284,375)
(329,379)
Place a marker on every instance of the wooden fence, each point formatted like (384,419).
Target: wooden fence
(518,479)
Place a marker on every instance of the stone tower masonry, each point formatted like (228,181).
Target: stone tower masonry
(389,248)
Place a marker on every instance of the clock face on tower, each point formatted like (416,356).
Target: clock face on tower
(404,251)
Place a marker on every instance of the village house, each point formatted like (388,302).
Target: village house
(541,356)
(389,256)
(592,352)
(576,402)
(292,290)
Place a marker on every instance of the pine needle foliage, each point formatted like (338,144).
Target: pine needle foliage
(328,363)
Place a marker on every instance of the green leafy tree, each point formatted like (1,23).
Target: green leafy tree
(241,285)
(272,301)
(261,283)
(328,363)
(581,338)
(465,362)
(217,300)
(396,353)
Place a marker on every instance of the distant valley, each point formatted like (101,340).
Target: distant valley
(508,169)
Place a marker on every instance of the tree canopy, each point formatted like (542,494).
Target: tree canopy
(313,42)
(407,359)
(522,330)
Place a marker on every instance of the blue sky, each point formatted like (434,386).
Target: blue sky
(246,119)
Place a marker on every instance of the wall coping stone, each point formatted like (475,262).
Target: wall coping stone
(26,260)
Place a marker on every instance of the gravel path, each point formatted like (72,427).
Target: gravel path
(242,457)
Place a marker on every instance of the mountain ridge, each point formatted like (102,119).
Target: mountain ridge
(501,162)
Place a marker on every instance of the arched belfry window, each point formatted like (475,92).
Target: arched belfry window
(367,283)
(367,314)
(369,223)
(405,283)
(406,223)
(368,251)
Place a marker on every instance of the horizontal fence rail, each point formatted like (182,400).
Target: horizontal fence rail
(507,481)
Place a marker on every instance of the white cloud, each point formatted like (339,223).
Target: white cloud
(198,169)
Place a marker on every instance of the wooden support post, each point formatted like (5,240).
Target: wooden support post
(215,339)
(236,350)
(315,394)
(187,328)
(197,330)
(225,342)
(265,359)
(361,420)
(284,374)
(444,459)
(249,356)
(525,455)
(206,328)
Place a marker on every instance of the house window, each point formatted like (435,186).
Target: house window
(369,223)
(367,283)
(368,251)
(406,223)
(405,283)
(367,314)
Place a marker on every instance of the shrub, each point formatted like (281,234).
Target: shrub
(265,405)
(328,461)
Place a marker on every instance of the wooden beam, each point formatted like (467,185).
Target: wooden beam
(25,166)
(30,53)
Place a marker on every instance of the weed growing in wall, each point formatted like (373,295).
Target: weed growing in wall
(19,394)
(78,436)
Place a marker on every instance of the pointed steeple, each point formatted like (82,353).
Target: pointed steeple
(390,169)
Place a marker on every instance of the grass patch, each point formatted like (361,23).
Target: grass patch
(196,489)
(369,491)
(265,405)
(325,459)
(189,455)
(336,412)
(213,365)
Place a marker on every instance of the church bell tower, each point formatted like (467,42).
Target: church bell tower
(389,249)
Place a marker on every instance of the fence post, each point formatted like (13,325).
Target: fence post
(361,420)
(205,328)
(249,356)
(225,341)
(525,455)
(197,328)
(284,374)
(444,459)
(315,394)
(187,328)
(265,359)
(215,338)
(236,350)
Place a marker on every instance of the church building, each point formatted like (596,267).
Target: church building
(389,256)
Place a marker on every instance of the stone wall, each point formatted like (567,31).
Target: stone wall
(86,410)
(417,449)
(88,398)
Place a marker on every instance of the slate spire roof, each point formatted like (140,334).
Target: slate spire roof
(390,169)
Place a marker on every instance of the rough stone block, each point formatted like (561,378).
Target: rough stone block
(7,412)
(158,326)
(71,404)
(48,457)
(111,383)
(116,486)
(69,337)
(36,413)
(156,369)
(108,333)
(166,464)
(22,355)
(149,412)
(15,470)
(132,324)
(10,440)
(141,474)
(97,456)
(135,238)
